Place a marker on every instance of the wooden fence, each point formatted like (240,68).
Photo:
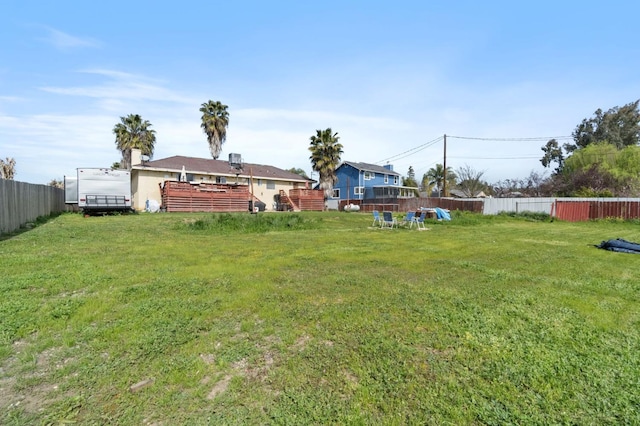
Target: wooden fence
(408,204)
(569,209)
(307,199)
(204,197)
(22,202)
(576,211)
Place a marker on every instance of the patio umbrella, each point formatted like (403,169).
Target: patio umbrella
(183,175)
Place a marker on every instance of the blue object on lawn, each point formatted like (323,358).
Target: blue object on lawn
(376,218)
(620,245)
(420,220)
(409,218)
(388,220)
(442,214)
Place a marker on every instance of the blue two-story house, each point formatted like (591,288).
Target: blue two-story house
(369,183)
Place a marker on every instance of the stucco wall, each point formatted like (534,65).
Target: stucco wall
(145,185)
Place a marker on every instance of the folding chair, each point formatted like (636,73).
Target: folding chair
(376,218)
(389,220)
(420,220)
(410,218)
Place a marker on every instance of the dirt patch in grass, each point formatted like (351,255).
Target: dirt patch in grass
(28,388)
(301,342)
(220,386)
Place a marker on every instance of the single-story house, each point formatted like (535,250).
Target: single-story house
(264,182)
(457,193)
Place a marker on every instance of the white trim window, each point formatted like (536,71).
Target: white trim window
(336,193)
(395,180)
(386,178)
(369,175)
(358,190)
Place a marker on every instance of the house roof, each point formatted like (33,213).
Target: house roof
(218,167)
(370,168)
(461,194)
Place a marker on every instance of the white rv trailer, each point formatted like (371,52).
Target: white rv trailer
(104,190)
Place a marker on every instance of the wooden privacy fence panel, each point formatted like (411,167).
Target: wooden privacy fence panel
(473,205)
(307,199)
(414,203)
(22,202)
(614,209)
(213,197)
(574,211)
(204,197)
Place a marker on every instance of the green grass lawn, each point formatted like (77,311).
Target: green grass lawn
(316,318)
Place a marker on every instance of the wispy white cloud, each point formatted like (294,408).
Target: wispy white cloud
(10,99)
(123,86)
(48,146)
(63,41)
(57,144)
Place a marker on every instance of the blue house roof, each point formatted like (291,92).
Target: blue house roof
(371,168)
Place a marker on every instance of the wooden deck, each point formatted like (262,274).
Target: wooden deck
(214,197)
(204,197)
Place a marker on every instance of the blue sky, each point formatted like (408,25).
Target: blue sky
(388,77)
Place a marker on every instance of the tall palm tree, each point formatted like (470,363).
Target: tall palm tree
(215,120)
(325,157)
(434,178)
(134,133)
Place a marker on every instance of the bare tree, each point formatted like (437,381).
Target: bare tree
(470,180)
(7,168)
(56,183)
(534,185)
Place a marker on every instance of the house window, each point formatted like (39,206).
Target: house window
(259,182)
(336,193)
(369,175)
(386,178)
(358,190)
(221,179)
(190,177)
(395,180)
(271,184)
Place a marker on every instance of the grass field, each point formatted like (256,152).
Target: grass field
(317,318)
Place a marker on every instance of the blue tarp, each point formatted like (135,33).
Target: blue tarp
(442,214)
(620,245)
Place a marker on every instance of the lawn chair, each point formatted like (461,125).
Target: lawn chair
(420,220)
(409,218)
(389,220)
(376,218)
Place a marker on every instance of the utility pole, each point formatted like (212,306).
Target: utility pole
(444,172)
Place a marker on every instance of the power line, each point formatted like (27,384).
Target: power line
(411,151)
(537,138)
(496,158)
(417,149)
(438,139)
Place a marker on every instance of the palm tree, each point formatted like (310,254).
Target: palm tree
(325,157)
(134,133)
(434,178)
(215,120)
